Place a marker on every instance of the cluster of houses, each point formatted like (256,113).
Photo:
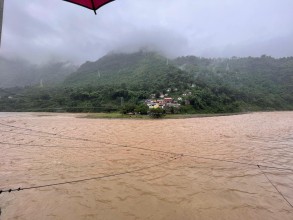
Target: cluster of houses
(162,103)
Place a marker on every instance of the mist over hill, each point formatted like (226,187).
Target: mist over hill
(147,71)
(19,73)
(201,84)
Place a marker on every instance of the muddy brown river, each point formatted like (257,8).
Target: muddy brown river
(70,167)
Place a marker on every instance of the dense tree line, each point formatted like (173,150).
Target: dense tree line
(121,82)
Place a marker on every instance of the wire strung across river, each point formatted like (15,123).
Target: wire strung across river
(90,178)
(158,151)
(127,172)
(141,148)
(275,187)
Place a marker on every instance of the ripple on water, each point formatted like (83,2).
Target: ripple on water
(187,188)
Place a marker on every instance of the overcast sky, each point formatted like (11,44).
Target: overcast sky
(42,30)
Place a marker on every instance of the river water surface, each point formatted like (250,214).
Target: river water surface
(198,168)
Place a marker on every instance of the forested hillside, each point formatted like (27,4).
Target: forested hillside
(263,81)
(137,71)
(200,85)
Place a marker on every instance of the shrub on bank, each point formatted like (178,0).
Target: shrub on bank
(157,113)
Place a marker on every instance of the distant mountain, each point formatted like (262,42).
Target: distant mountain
(269,69)
(146,70)
(200,85)
(263,79)
(21,73)
(260,81)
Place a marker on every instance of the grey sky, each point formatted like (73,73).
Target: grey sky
(42,30)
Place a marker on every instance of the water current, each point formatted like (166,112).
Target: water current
(197,168)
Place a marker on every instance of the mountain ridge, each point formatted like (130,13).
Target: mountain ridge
(200,85)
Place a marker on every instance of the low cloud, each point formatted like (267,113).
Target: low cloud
(41,30)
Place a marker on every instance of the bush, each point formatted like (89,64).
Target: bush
(157,113)
(128,108)
(142,109)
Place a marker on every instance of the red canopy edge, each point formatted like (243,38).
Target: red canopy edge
(94,9)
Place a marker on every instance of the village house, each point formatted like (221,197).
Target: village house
(161,103)
(168,100)
(175,105)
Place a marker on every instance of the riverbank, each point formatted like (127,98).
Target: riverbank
(117,115)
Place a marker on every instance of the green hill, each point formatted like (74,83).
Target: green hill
(201,85)
(263,81)
(138,71)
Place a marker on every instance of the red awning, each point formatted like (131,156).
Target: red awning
(90,4)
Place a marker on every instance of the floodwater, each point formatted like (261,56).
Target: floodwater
(215,178)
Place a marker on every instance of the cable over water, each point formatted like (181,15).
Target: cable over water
(281,194)
(158,151)
(90,178)
(56,135)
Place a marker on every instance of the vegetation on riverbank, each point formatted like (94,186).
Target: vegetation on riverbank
(117,82)
(117,115)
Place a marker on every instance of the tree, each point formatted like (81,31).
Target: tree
(129,108)
(157,113)
(142,109)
